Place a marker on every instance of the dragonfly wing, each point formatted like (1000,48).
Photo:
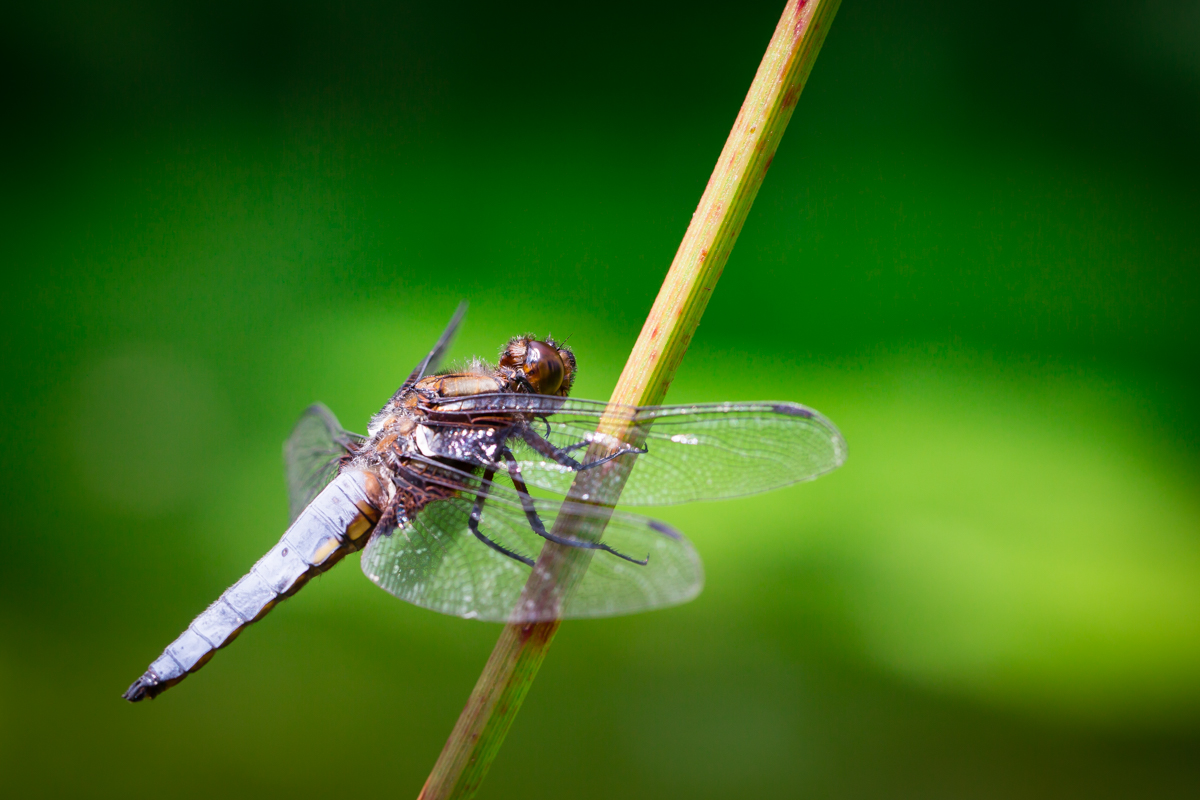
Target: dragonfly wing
(696,452)
(430,362)
(311,454)
(436,562)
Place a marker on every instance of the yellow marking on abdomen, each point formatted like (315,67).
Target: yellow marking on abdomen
(359,526)
(324,550)
(369,511)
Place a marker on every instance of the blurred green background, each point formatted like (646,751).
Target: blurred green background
(976,251)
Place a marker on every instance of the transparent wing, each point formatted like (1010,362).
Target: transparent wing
(697,452)
(436,562)
(311,455)
(430,362)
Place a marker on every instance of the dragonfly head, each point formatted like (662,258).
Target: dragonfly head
(543,366)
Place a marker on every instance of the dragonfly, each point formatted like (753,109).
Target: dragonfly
(466,479)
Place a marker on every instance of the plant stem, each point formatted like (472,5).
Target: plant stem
(664,339)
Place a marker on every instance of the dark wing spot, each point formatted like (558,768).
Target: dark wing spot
(790,410)
(664,529)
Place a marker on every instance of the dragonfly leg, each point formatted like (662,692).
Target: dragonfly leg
(387,521)
(535,522)
(559,455)
(477,513)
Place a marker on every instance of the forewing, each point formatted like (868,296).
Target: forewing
(311,455)
(436,562)
(430,362)
(698,452)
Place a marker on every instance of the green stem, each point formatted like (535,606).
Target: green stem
(664,339)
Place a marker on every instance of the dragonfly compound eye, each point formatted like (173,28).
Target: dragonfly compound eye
(543,367)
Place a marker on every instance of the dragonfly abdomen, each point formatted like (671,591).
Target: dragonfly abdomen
(335,524)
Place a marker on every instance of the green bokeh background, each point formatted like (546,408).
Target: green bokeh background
(976,251)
